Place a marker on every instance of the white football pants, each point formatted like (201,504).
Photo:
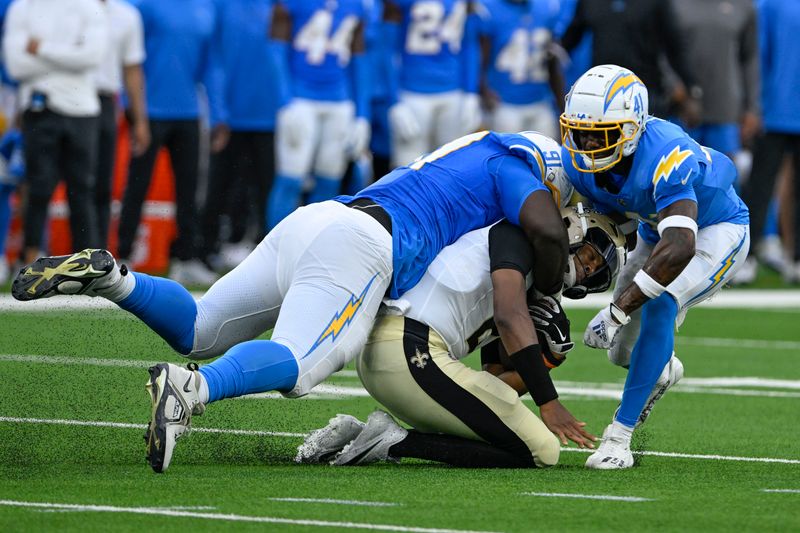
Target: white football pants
(439,123)
(317,279)
(312,136)
(720,251)
(510,118)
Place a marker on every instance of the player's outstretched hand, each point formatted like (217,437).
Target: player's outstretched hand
(603,328)
(564,426)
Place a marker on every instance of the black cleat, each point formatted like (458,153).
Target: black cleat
(63,274)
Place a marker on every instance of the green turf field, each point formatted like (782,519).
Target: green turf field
(73,409)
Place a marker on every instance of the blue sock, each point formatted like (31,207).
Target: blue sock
(325,189)
(283,199)
(166,307)
(361,175)
(5,213)
(251,367)
(652,352)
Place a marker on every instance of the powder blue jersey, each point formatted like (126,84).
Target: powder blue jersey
(668,166)
(520,34)
(433,32)
(779,25)
(469,183)
(322,36)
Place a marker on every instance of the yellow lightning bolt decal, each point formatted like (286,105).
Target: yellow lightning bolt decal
(668,163)
(620,84)
(342,318)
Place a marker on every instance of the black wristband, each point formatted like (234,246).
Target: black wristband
(531,368)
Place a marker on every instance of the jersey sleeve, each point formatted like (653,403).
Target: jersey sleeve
(509,248)
(673,176)
(515,181)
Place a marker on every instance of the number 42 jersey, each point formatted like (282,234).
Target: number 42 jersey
(322,36)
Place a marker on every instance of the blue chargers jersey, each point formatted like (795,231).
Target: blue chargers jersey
(520,34)
(433,32)
(668,166)
(469,183)
(322,36)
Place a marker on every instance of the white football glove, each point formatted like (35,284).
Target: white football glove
(603,328)
(404,124)
(359,137)
(290,124)
(471,116)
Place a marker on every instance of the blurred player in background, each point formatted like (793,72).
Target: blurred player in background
(180,40)
(433,87)
(319,52)
(411,364)
(692,234)
(122,66)
(243,170)
(522,79)
(12,172)
(318,277)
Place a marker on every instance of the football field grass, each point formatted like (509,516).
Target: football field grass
(720,452)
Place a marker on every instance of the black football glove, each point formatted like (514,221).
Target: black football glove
(552,328)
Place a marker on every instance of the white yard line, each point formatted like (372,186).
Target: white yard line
(121,425)
(765,299)
(710,457)
(574,389)
(589,496)
(155,511)
(336,502)
(782,491)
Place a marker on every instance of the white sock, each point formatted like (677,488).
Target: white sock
(119,288)
(621,430)
(202,388)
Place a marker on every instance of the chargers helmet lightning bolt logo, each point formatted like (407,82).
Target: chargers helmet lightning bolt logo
(342,318)
(668,163)
(623,82)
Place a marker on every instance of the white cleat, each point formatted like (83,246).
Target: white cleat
(671,374)
(174,394)
(322,444)
(373,443)
(614,451)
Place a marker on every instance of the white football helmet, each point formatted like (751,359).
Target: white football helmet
(609,102)
(555,178)
(587,226)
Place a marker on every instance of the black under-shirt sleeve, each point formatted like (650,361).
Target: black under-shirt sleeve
(509,248)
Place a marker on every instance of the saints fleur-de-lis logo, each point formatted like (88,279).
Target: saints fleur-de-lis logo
(420,359)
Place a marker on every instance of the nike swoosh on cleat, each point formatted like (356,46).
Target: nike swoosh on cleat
(363,454)
(186,385)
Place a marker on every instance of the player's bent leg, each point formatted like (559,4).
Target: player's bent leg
(336,287)
(242,305)
(408,370)
(296,139)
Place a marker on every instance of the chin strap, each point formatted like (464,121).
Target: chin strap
(571,274)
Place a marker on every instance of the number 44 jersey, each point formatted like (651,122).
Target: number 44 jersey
(322,35)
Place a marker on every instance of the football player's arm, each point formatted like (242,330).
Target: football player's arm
(749,57)
(520,341)
(555,77)
(541,221)
(470,51)
(668,259)
(280,34)
(489,97)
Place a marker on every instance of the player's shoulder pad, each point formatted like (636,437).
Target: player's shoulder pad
(674,161)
